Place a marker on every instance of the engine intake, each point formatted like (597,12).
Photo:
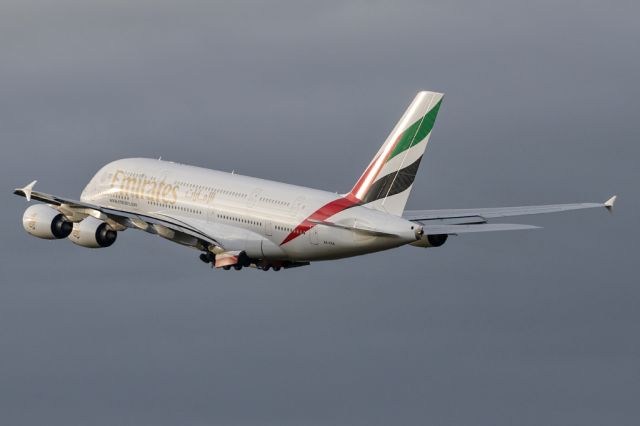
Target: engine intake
(45,222)
(92,233)
(435,240)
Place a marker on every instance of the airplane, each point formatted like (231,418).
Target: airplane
(238,221)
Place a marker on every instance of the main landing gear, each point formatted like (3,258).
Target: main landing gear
(269,266)
(208,257)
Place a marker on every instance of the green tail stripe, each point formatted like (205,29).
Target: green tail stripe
(416,132)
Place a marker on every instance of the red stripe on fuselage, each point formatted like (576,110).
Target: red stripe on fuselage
(350,200)
(324,212)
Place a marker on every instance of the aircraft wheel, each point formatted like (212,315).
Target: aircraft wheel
(205,258)
(266,267)
(276,268)
(237,267)
(226,267)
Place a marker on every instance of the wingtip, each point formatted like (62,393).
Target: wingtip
(610,202)
(26,191)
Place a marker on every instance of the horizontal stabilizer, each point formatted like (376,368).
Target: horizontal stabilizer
(481,227)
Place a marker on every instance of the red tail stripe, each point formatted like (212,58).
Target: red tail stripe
(324,212)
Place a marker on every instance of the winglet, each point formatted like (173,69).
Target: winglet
(26,191)
(610,202)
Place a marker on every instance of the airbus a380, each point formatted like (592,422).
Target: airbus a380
(238,221)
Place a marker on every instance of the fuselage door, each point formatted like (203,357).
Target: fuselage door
(211,214)
(299,208)
(253,197)
(313,235)
(268,227)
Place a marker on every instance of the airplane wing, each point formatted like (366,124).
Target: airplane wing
(152,223)
(481,216)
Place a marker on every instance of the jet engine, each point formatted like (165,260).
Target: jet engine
(435,240)
(43,221)
(92,233)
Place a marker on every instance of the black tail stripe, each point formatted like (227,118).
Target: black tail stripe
(393,183)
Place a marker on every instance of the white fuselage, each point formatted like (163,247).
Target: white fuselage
(267,219)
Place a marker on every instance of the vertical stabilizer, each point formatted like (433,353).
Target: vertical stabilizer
(386,183)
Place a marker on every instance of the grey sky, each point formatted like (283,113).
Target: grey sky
(526,328)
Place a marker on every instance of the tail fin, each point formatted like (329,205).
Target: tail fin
(386,183)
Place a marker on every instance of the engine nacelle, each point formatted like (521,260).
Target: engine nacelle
(92,233)
(431,240)
(45,222)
